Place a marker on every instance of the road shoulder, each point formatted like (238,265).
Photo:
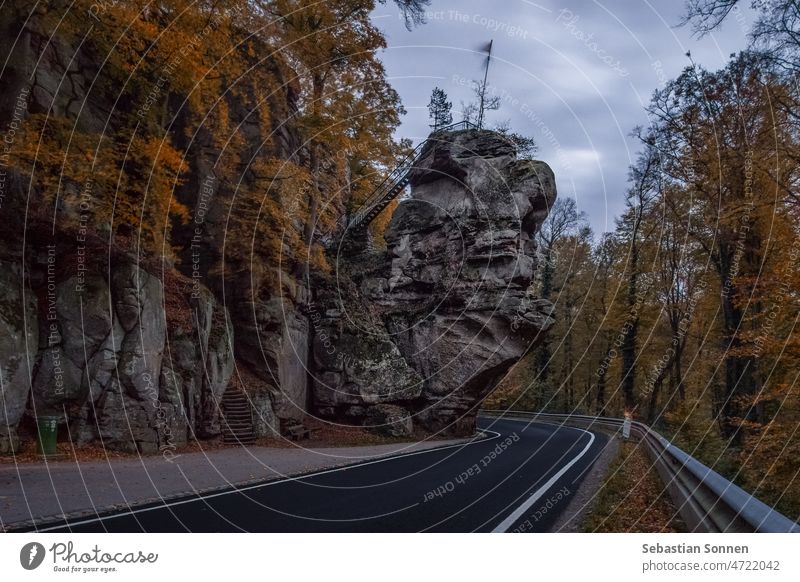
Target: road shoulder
(571,519)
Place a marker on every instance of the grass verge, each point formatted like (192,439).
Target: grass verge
(633,499)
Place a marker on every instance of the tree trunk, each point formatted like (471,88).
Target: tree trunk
(654,393)
(677,370)
(628,348)
(543,351)
(739,375)
(601,389)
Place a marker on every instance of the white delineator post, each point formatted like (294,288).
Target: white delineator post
(626,427)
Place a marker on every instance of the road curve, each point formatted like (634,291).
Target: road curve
(521,477)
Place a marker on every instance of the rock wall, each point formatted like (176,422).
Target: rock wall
(18,347)
(132,351)
(420,334)
(106,365)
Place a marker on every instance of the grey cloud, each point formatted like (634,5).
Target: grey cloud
(579,105)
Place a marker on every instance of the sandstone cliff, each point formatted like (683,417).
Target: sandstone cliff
(134,351)
(421,333)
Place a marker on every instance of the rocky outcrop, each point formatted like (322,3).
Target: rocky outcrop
(433,324)
(99,332)
(109,363)
(18,345)
(118,343)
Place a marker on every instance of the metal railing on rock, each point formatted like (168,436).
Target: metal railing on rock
(707,501)
(396,181)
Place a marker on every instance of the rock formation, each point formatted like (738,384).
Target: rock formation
(134,352)
(129,350)
(18,347)
(420,334)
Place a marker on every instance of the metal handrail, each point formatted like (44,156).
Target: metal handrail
(388,183)
(706,500)
(458,126)
(399,174)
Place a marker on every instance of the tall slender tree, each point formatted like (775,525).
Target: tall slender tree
(439,109)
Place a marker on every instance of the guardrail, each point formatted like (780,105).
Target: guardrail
(706,500)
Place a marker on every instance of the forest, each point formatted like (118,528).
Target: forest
(685,315)
(286,97)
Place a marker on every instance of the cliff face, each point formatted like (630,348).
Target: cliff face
(131,350)
(135,351)
(420,334)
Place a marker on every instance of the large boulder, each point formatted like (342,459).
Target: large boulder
(356,367)
(451,299)
(138,299)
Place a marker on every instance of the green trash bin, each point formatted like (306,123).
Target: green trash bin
(47,427)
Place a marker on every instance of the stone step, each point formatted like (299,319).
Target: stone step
(240,434)
(229,411)
(235,395)
(237,418)
(245,430)
(237,413)
(238,429)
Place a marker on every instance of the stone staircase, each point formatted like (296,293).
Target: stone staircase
(237,418)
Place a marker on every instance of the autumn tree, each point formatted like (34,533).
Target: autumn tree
(206,91)
(775,32)
(716,133)
(561,222)
(572,275)
(346,103)
(678,280)
(635,231)
(600,297)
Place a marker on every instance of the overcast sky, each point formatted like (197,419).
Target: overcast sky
(573,74)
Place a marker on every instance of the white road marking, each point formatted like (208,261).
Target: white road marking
(506,524)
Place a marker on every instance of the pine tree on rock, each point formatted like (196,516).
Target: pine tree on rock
(439,109)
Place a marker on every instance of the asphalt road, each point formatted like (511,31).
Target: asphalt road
(521,477)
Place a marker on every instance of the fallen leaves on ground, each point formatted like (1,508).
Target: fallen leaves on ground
(633,499)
